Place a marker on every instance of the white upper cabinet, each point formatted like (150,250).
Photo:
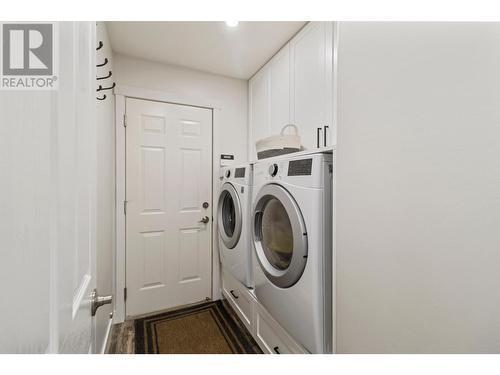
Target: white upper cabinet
(311,98)
(269,96)
(259,108)
(296,87)
(279,87)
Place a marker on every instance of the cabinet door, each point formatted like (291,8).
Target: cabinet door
(240,299)
(271,337)
(259,110)
(279,84)
(311,82)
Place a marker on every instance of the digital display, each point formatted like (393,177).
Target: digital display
(301,167)
(239,172)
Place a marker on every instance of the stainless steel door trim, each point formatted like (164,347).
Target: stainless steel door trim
(288,277)
(229,241)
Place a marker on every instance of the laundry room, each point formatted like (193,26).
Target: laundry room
(301,186)
(222,215)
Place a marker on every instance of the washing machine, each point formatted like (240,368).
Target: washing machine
(233,219)
(292,241)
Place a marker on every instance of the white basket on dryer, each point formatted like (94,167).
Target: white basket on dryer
(278,144)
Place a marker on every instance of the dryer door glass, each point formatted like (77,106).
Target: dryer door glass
(277,234)
(229,217)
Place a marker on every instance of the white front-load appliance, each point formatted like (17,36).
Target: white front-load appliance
(292,240)
(233,219)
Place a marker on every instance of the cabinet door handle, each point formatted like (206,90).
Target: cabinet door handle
(234,295)
(318,130)
(277,349)
(324,135)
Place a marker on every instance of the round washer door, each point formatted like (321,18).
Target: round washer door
(280,236)
(229,216)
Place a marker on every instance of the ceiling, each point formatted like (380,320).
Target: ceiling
(207,46)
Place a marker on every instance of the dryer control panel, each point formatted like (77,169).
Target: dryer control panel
(301,167)
(306,170)
(241,174)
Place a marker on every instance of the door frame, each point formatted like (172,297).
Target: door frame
(122,92)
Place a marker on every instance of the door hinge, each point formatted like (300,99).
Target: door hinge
(125,294)
(125,207)
(124,120)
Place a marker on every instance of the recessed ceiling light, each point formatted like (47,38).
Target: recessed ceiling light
(232,23)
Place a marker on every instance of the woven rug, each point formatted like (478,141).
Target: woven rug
(208,328)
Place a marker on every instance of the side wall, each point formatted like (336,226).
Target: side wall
(418,188)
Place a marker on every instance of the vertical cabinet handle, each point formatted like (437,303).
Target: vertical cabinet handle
(277,349)
(234,295)
(324,135)
(318,136)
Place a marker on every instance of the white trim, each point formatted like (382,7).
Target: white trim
(329,120)
(336,29)
(216,150)
(107,336)
(54,327)
(164,96)
(119,313)
(121,93)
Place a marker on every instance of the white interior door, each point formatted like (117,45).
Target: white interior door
(168,178)
(76,193)
(47,200)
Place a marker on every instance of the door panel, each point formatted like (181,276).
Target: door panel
(168,161)
(189,262)
(279,106)
(77,170)
(153,168)
(260,126)
(311,81)
(47,153)
(152,259)
(25,167)
(190,182)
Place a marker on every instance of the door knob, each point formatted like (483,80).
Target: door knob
(205,220)
(98,301)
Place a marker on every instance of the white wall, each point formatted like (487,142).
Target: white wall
(105,186)
(418,188)
(229,95)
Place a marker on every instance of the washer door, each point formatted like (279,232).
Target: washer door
(229,216)
(280,236)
